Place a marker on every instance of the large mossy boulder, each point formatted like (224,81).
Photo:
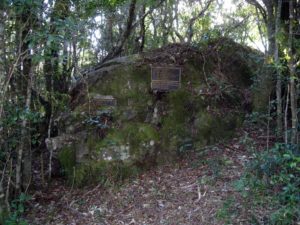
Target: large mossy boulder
(118,125)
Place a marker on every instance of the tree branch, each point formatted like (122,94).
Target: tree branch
(260,8)
(129,27)
(190,31)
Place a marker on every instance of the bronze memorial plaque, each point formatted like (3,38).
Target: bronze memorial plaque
(166,78)
(105,100)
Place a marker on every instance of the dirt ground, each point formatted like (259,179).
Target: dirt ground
(192,191)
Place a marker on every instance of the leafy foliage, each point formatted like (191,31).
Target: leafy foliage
(18,209)
(275,174)
(9,144)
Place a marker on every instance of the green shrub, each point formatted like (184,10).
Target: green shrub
(225,213)
(275,174)
(17,210)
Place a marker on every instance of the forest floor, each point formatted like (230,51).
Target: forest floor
(197,190)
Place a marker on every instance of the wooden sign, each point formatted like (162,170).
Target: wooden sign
(105,100)
(165,78)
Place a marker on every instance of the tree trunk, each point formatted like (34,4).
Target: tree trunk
(271,29)
(24,81)
(261,96)
(286,115)
(164,28)
(65,67)
(75,57)
(109,40)
(2,203)
(176,17)
(119,48)
(142,29)
(154,24)
(23,148)
(56,81)
(292,70)
(278,72)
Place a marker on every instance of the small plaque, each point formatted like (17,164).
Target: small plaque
(165,78)
(105,100)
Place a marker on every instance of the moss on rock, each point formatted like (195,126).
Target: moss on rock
(102,172)
(67,159)
(148,127)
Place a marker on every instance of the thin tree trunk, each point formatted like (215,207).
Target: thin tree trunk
(2,203)
(271,32)
(292,76)
(109,28)
(277,63)
(42,168)
(74,57)
(286,115)
(4,208)
(7,195)
(176,17)
(24,133)
(268,123)
(142,30)
(65,72)
(164,28)
(51,150)
(24,86)
(154,27)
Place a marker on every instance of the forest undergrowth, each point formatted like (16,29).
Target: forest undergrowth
(228,183)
